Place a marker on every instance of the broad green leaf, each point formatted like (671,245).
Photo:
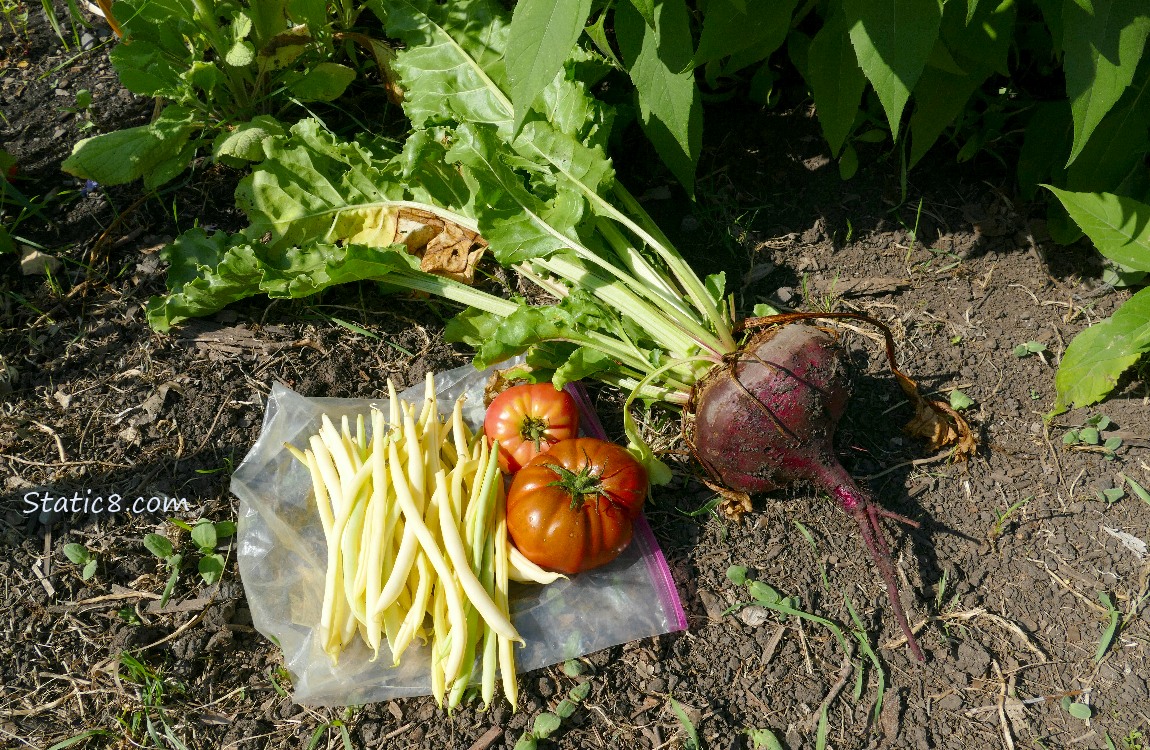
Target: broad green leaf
(670,105)
(1117,147)
(77,553)
(324,83)
(1118,226)
(211,568)
(645,8)
(836,80)
(973,51)
(126,155)
(1098,356)
(893,40)
(204,535)
(268,17)
(144,68)
(579,363)
(453,65)
(312,13)
(159,546)
(1102,53)
(730,27)
(210,272)
(245,142)
(518,225)
(543,33)
(241,55)
(568,319)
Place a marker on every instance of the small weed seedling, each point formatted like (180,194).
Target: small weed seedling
(1133,741)
(1112,627)
(691,738)
(1030,347)
(149,721)
(1002,518)
(960,401)
(549,722)
(1089,437)
(1081,711)
(1139,491)
(81,555)
(205,535)
(763,739)
(159,546)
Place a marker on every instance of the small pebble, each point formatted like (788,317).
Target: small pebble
(754,616)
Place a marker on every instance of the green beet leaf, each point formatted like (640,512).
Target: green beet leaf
(324,83)
(126,155)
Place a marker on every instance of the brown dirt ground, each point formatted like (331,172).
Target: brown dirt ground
(1004,575)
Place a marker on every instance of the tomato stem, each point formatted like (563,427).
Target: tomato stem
(534,429)
(577,484)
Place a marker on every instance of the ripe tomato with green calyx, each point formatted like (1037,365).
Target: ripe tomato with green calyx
(571,509)
(527,420)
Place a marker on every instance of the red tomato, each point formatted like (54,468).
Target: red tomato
(571,508)
(527,420)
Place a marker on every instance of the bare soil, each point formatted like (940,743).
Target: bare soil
(1004,577)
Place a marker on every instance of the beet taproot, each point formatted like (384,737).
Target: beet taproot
(767,417)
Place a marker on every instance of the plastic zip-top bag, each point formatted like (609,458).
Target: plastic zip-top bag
(282,558)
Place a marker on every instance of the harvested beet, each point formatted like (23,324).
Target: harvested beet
(767,418)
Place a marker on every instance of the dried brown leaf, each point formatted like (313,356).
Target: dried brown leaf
(937,423)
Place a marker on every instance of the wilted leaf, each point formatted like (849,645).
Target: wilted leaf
(937,423)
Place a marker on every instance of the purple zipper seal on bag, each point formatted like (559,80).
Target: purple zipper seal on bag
(653,556)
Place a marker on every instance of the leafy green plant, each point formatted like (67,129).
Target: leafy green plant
(1119,227)
(1113,625)
(1089,436)
(1081,711)
(161,547)
(691,735)
(1002,518)
(82,556)
(1028,348)
(548,723)
(1139,491)
(205,535)
(149,722)
(224,71)
(960,401)
(763,739)
(15,15)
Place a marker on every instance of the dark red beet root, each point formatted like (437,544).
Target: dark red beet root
(768,418)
